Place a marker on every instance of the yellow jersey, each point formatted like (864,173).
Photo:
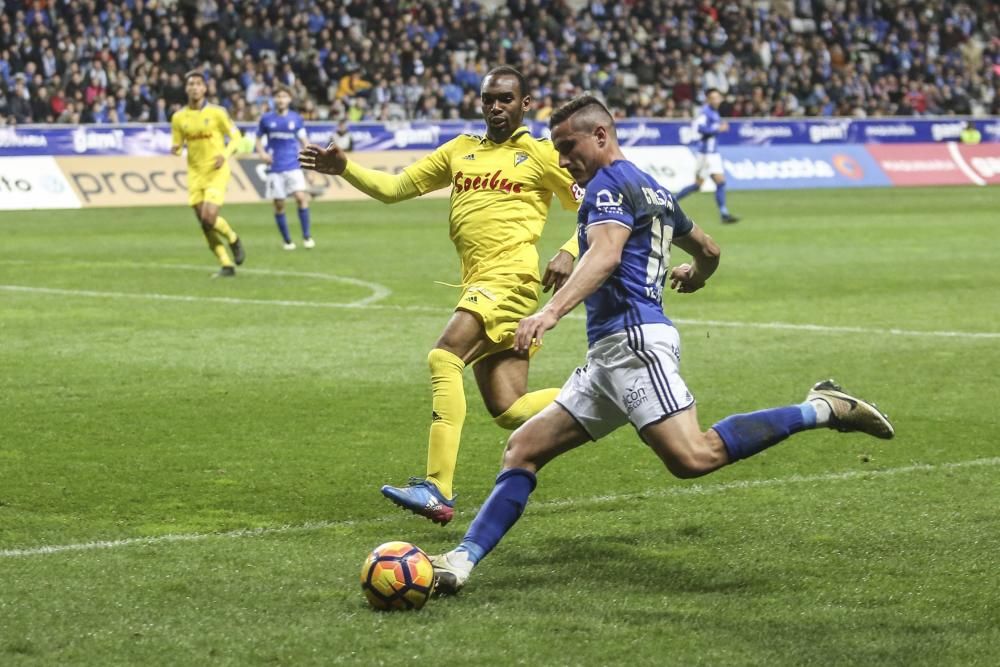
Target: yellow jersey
(204,131)
(500,197)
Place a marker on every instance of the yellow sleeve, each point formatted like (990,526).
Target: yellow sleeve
(558,180)
(228,128)
(433,172)
(572,246)
(386,188)
(570,194)
(176,137)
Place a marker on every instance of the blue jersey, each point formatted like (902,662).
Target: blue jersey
(622,194)
(282,133)
(707,126)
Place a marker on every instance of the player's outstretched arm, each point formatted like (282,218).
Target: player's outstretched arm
(387,188)
(330,160)
(601,259)
(705,254)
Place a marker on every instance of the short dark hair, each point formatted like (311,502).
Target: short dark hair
(712,90)
(195,73)
(507,70)
(566,111)
(282,88)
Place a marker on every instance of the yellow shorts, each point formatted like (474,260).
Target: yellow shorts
(209,187)
(500,304)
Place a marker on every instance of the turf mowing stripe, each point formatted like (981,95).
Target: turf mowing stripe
(693,490)
(367,303)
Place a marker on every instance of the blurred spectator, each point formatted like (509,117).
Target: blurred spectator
(19,106)
(342,137)
(368,61)
(970,135)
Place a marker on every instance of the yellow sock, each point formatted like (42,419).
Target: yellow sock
(223,228)
(217,247)
(525,408)
(448,405)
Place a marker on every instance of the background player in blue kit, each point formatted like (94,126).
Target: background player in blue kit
(708,125)
(626,225)
(280,135)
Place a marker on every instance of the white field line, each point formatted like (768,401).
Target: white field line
(675,491)
(378,292)
(369,303)
(969,172)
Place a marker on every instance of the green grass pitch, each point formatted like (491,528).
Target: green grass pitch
(189,468)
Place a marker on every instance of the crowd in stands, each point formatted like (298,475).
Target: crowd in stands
(108,61)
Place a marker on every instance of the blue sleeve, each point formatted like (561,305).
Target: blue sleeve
(606,201)
(261,132)
(709,122)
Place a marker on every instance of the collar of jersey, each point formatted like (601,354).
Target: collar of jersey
(518,133)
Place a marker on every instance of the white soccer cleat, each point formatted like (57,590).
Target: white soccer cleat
(850,413)
(451,571)
(289,246)
(308,243)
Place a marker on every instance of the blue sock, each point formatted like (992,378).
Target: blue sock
(720,198)
(500,511)
(304,221)
(686,191)
(283,226)
(746,435)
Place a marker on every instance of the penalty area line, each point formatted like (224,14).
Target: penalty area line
(678,491)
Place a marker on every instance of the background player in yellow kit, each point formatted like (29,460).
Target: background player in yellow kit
(204,128)
(501,188)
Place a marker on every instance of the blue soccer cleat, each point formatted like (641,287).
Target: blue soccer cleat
(422,497)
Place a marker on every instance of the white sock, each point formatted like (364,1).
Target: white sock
(459,559)
(822,411)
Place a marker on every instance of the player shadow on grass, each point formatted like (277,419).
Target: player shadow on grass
(621,563)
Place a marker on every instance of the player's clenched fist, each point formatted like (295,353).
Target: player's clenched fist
(684,280)
(330,160)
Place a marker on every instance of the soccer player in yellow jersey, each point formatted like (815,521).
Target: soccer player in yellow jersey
(501,188)
(204,127)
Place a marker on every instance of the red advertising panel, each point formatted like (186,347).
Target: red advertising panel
(983,160)
(919,164)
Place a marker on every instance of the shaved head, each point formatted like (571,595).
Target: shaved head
(583,133)
(585,113)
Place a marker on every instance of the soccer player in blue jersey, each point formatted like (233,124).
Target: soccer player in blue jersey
(708,125)
(280,135)
(626,225)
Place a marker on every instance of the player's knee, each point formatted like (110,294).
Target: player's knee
(442,361)
(516,454)
(694,459)
(683,468)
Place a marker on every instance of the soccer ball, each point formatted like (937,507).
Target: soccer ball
(397,575)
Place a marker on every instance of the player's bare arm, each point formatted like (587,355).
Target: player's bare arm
(557,271)
(262,153)
(705,254)
(331,160)
(601,259)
